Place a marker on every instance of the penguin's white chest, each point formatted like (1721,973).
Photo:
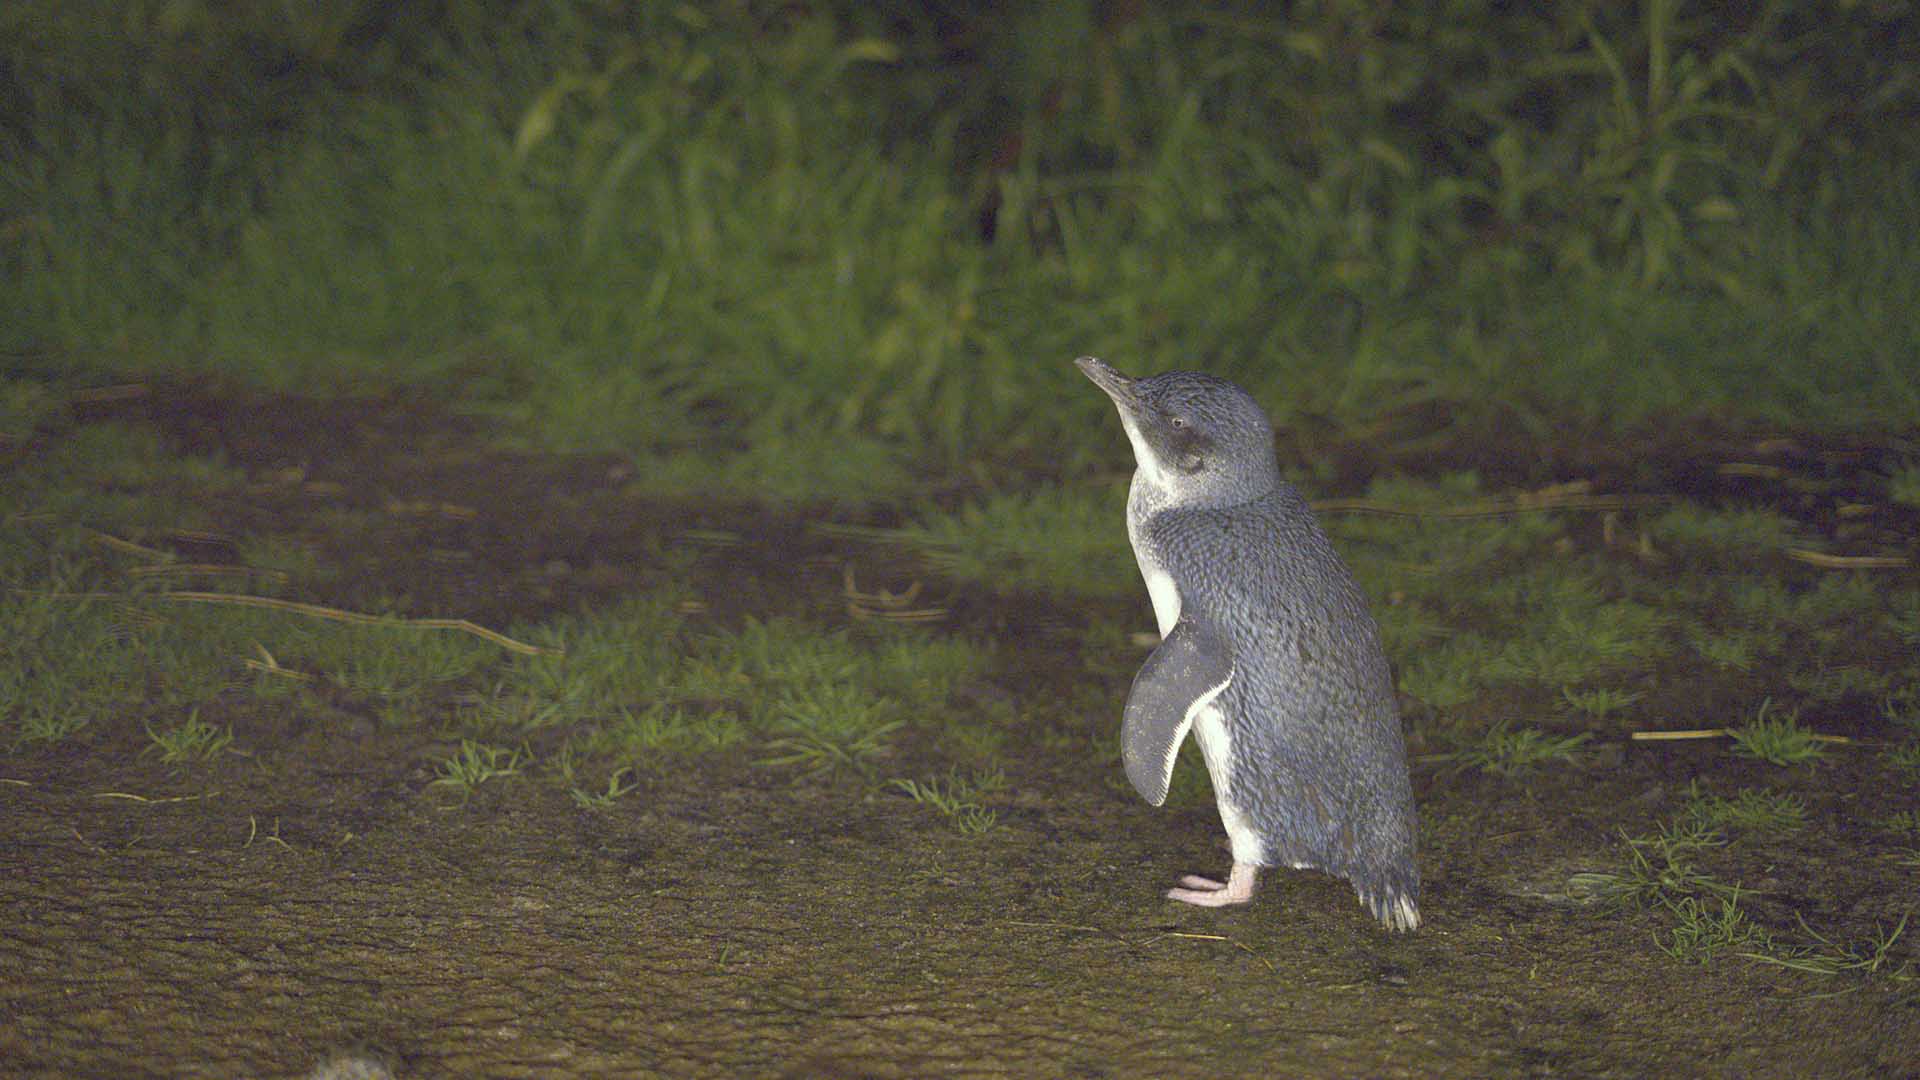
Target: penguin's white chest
(1160,587)
(1165,597)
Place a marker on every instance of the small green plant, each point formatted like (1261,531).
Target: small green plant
(956,798)
(1662,873)
(1700,933)
(1506,750)
(193,740)
(1599,702)
(617,785)
(476,763)
(1661,869)
(975,820)
(1829,957)
(663,729)
(1777,740)
(1750,809)
(831,726)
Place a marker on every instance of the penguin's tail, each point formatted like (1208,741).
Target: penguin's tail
(1396,910)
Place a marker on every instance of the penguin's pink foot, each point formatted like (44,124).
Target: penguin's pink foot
(1206,892)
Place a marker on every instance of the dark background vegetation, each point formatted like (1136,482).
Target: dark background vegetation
(871,235)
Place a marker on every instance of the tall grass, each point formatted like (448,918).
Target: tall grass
(666,227)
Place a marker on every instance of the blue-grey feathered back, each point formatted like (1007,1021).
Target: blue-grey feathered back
(1312,696)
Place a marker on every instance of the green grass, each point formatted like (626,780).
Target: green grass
(1901,708)
(750,250)
(798,466)
(100,644)
(618,786)
(1449,676)
(631,685)
(957,798)
(831,727)
(289,561)
(1904,618)
(1509,751)
(1599,702)
(1749,810)
(1777,740)
(659,731)
(1662,869)
(1719,532)
(1826,956)
(1054,539)
(116,479)
(476,763)
(1550,624)
(1702,915)
(1705,928)
(193,739)
(650,685)
(1735,649)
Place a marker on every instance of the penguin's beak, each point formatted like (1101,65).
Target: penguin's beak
(1135,416)
(1117,386)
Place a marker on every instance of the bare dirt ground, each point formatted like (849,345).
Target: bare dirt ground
(248,917)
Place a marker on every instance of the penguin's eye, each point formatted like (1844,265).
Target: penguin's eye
(1178,422)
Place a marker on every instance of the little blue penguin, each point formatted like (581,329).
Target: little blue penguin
(1267,654)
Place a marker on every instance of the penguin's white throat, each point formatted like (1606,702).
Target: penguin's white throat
(1151,470)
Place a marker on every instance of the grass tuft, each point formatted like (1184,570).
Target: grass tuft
(831,727)
(476,763)
(1505,750)
(618,785)
(1700,932)
(1826,956)
(957,798)
(1599,702)
(1662,869)
(192,740)
(1748,810)
(1777,740)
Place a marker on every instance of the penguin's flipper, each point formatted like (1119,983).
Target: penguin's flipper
(1182,677)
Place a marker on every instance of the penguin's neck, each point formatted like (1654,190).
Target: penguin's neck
(1156,489)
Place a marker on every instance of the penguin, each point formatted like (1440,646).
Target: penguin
(1268,655)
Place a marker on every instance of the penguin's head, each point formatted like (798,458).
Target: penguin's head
(1199,439)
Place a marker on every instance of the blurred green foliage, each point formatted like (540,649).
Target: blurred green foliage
(660,226)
